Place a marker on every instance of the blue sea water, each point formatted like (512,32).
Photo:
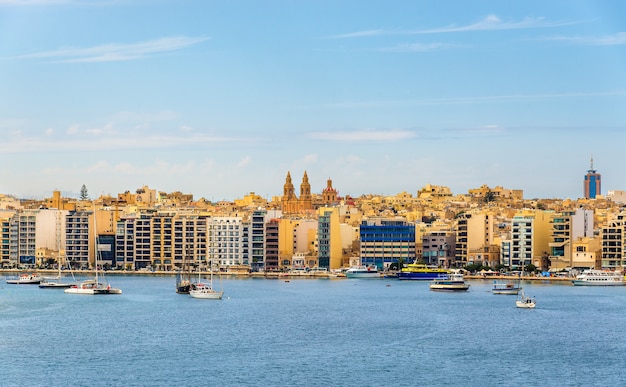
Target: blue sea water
(313,332)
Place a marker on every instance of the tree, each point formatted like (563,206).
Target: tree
(84,195)
(489,197)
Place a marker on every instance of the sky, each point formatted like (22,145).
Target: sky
(222,98)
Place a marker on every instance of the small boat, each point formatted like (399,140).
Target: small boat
(24,279)
(593,277)
(525,302)
(363,272)
(451,283)
(206,291)
(505,288)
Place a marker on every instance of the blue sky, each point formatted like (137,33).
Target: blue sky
(222,98)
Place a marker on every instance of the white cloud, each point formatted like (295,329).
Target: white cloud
(364,135)
(617,39)
(415,47)
(488,23)
(117,51)
(310,159)
(244,162)
(49,132)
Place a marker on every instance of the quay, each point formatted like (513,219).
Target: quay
(267,275)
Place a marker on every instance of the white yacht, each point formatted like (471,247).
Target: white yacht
(363,272)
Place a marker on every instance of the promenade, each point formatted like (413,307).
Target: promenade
(266,275)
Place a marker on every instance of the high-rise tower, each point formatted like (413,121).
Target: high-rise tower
(593,182)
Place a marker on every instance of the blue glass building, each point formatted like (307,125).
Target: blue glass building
(385,241)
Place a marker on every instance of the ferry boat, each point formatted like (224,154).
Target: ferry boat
(593,277)
(25,278)
(451,282)
(363,272)
(419,271)
(505,288)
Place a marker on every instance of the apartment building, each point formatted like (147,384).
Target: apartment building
(530,235)
(613,238)
(566,227)
(79,231)
(438,248)
(329,253)
(224,240)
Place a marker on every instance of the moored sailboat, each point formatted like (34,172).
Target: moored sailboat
(96,285)
(206,291)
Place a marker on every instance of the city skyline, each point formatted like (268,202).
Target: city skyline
(219,99)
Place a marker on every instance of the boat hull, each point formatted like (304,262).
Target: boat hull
(525,304)
(206,293)
(372,274)
(55,285)
(24,279)
(598,283)
(449,287)
(505,288)
(419,276)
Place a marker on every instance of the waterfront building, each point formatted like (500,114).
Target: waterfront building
(329,252)
(224,240)
(530,236)
(587,253)
(613,243)
(475,232)
(438,248)
(592,183)
(506,246)
(566,227)
(5,242)
(485,255)
(257,240)
(79,232)
(386,241)
(271,244)
(297,239)
(133,241)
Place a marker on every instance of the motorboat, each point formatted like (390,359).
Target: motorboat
(505,288)
(454,282)
(592,277)
(370,271)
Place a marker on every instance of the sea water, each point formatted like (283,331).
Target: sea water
(311,332)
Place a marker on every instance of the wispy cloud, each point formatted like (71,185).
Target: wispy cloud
(488,23)
(465,100)
(415,47)
(117,51)
(364,135)
(33,2)
(609,40)
(94,140)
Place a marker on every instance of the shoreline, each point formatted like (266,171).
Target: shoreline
(268,275)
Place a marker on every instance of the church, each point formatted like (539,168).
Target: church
(291,204)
